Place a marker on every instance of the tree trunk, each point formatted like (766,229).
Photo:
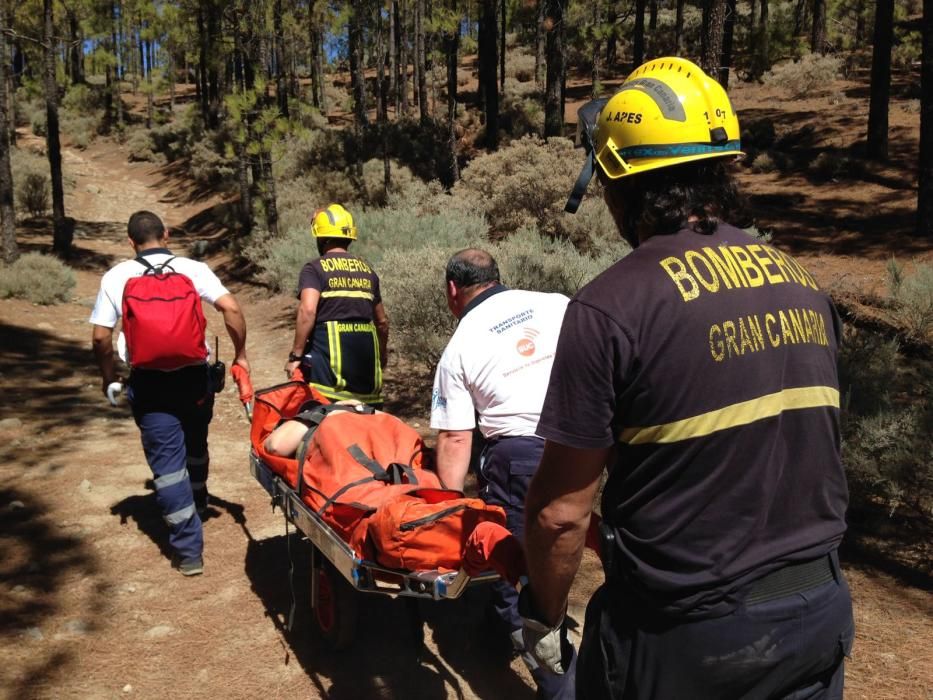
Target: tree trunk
(818,29)
(596,50)
(278,52)
(925,179)
(763,60)
(9,251)
(268,193)
(713,36)
(488,61)
(800,16)
(652,15)
(540,33)
(402,38)
(638,36)
(202,65)
(502,46)
(421,63)
(880,80)
(727,38)
(75,50)
(679,27)
(215,99)
(393,56)
(117,72)
(553,116)
(452,48)
(61,241)
(357,85)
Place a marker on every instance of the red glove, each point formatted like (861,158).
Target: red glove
(491,546)
(243,383)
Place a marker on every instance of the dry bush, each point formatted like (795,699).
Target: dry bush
(413,291)
(912,295)
(309,149)
(520,66)
(41,279)
(764,163)
(176,139)
(140,147)
(79,128)
(82,100)
(381,231)
(210,169)
(812,75)
(887,418)
(520,109)
(524,184)
(32,194)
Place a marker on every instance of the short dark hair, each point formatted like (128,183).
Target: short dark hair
(471,267)
(661,201)
(145,227)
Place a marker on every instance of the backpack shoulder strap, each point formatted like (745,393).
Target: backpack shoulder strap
(155,269)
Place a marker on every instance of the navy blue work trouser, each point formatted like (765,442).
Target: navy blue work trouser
(505,470)
(789,647)
(173,411)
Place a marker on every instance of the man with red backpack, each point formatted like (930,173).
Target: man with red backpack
(171,387)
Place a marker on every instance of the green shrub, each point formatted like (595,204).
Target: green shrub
(912,295)
(38,278)
(209,169)
(520,66)
(525,184)
(82,100)
(140,147)
(309,149)
(80,129)
(38,123)
(520,109)
(32,194)
(764,163)
(887,419)
(812,75)
(381,231)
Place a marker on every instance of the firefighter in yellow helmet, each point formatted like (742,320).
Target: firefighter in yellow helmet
(701,371)
(341,329)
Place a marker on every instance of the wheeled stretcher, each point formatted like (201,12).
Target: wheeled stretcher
(338,570)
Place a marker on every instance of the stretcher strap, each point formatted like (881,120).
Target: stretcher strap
(314,419)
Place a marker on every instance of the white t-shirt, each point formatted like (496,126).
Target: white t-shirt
(498,363)
(109,305)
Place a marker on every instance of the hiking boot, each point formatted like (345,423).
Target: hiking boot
(192,566)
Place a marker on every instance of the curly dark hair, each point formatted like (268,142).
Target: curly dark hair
(661,202)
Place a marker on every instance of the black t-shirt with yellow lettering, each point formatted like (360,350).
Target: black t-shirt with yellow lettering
(709,362)
(349,287)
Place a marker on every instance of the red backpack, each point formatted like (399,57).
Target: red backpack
(162,319)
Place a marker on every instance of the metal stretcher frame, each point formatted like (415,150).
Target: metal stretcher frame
(362,575)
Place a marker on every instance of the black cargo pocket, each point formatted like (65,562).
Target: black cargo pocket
(520,473)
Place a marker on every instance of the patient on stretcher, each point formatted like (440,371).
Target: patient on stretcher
(285,439)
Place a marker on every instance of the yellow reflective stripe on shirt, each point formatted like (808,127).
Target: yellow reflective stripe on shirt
(733,416)
(377,375)
(330,393)
(369,296)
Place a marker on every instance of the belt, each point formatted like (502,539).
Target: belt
(792,578)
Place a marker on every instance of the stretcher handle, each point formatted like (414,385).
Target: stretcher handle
(245,386)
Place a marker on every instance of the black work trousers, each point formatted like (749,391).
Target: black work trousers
(790,647)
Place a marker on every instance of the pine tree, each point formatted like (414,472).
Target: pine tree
(9,251)
(63,231)
(880,80)
(554,53)
(925,179)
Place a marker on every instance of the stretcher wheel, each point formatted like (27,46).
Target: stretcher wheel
(336,611)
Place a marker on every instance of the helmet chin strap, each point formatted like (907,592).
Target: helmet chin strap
(579,187)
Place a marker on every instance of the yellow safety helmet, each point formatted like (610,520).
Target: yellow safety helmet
(333,222)
(667,112)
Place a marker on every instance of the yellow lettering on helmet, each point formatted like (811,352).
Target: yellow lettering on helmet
(752,272)
(713,284)
(678,273)
(716,347)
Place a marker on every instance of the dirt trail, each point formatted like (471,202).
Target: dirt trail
(89,606)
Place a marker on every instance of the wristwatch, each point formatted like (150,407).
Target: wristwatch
(292,357)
